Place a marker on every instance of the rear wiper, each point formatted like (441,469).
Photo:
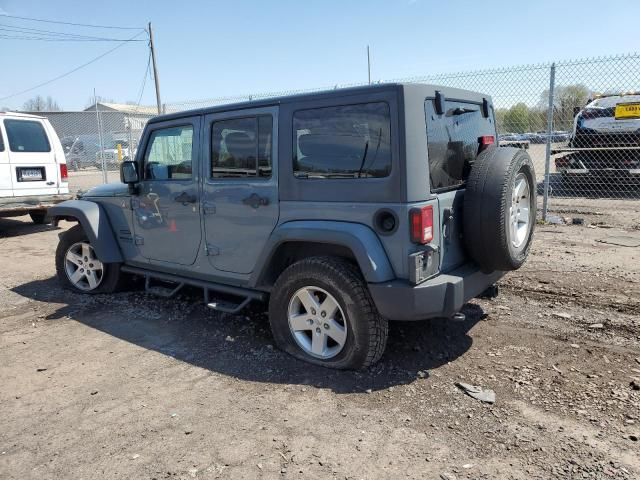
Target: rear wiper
(462,111)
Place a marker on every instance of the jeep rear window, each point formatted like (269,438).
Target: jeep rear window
(346,141)
(453,141)
(26,136)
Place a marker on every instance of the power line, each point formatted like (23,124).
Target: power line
(48,39)
(36,33)
(71,71)
(147,73)
(70,23)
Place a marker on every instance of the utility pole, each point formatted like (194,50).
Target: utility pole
(369,64)
(155,69)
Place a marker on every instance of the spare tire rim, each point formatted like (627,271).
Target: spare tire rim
(520,211)
(317,322)
(83,269)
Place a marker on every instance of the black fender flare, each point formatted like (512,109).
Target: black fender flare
(361,240)
(94,222)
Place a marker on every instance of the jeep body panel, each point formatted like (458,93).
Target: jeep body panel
(95,223)
(441,296)
(359,239)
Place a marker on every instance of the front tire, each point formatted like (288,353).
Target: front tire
(321,312)
(78,269)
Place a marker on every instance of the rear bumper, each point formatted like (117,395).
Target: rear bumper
(15,205)
(441,296)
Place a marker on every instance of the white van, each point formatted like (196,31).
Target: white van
(33,169)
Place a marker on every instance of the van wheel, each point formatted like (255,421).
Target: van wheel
(38,217)
(79,269)
(321,311)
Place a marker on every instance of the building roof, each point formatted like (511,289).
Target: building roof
(124,108)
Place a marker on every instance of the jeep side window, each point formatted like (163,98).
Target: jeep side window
(241,147)
(169,154)
(453,141)
(346,141)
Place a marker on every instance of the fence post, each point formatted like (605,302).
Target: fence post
(547,159)
(100,140)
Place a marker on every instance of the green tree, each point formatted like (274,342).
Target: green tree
(565,100)
(516,119)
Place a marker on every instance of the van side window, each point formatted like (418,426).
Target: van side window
(26,136)
(241,147)
(169,154)
(1,142)
(453,141)
(346,141)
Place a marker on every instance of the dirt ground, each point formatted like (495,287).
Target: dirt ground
(133,386)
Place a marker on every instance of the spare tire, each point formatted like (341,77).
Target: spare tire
(500,208)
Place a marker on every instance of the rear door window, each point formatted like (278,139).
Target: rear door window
(241,147)
(453,141)
(26,136)
(346,141)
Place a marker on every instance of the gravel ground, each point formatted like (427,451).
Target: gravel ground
(132,386)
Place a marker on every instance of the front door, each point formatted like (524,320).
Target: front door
(240,193)
(166,207)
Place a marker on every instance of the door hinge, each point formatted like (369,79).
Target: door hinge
(211,250)
(138,240)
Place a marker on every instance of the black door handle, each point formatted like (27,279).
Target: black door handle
(255,200)
(185,199)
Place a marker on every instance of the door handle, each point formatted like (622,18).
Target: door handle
(255,200)
(185,199)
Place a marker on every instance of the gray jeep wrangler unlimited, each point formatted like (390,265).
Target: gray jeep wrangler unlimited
(341,209)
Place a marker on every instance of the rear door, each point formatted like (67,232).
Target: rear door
(240,192)
(6,185)
(454,140)
(32,162)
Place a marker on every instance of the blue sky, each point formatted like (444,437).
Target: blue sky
(209,49)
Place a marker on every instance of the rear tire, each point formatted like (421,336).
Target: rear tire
(356,334)
(500,209)
(38,217)
(74,244)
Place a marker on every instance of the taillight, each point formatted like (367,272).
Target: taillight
(421,221)
(485,141)
(64,173)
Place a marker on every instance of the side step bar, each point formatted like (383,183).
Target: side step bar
(244,295)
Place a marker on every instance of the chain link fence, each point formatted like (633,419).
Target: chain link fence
(95,142)
(579,120)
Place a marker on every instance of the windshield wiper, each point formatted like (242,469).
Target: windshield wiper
(462,111)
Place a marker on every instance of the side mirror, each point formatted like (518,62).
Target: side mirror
(129,172)
(576,111)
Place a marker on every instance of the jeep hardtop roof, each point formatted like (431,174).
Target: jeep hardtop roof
(418,90)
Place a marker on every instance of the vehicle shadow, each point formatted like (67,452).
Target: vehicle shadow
(16,226)
(241,346)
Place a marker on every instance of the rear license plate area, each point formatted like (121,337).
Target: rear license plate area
(30,174)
